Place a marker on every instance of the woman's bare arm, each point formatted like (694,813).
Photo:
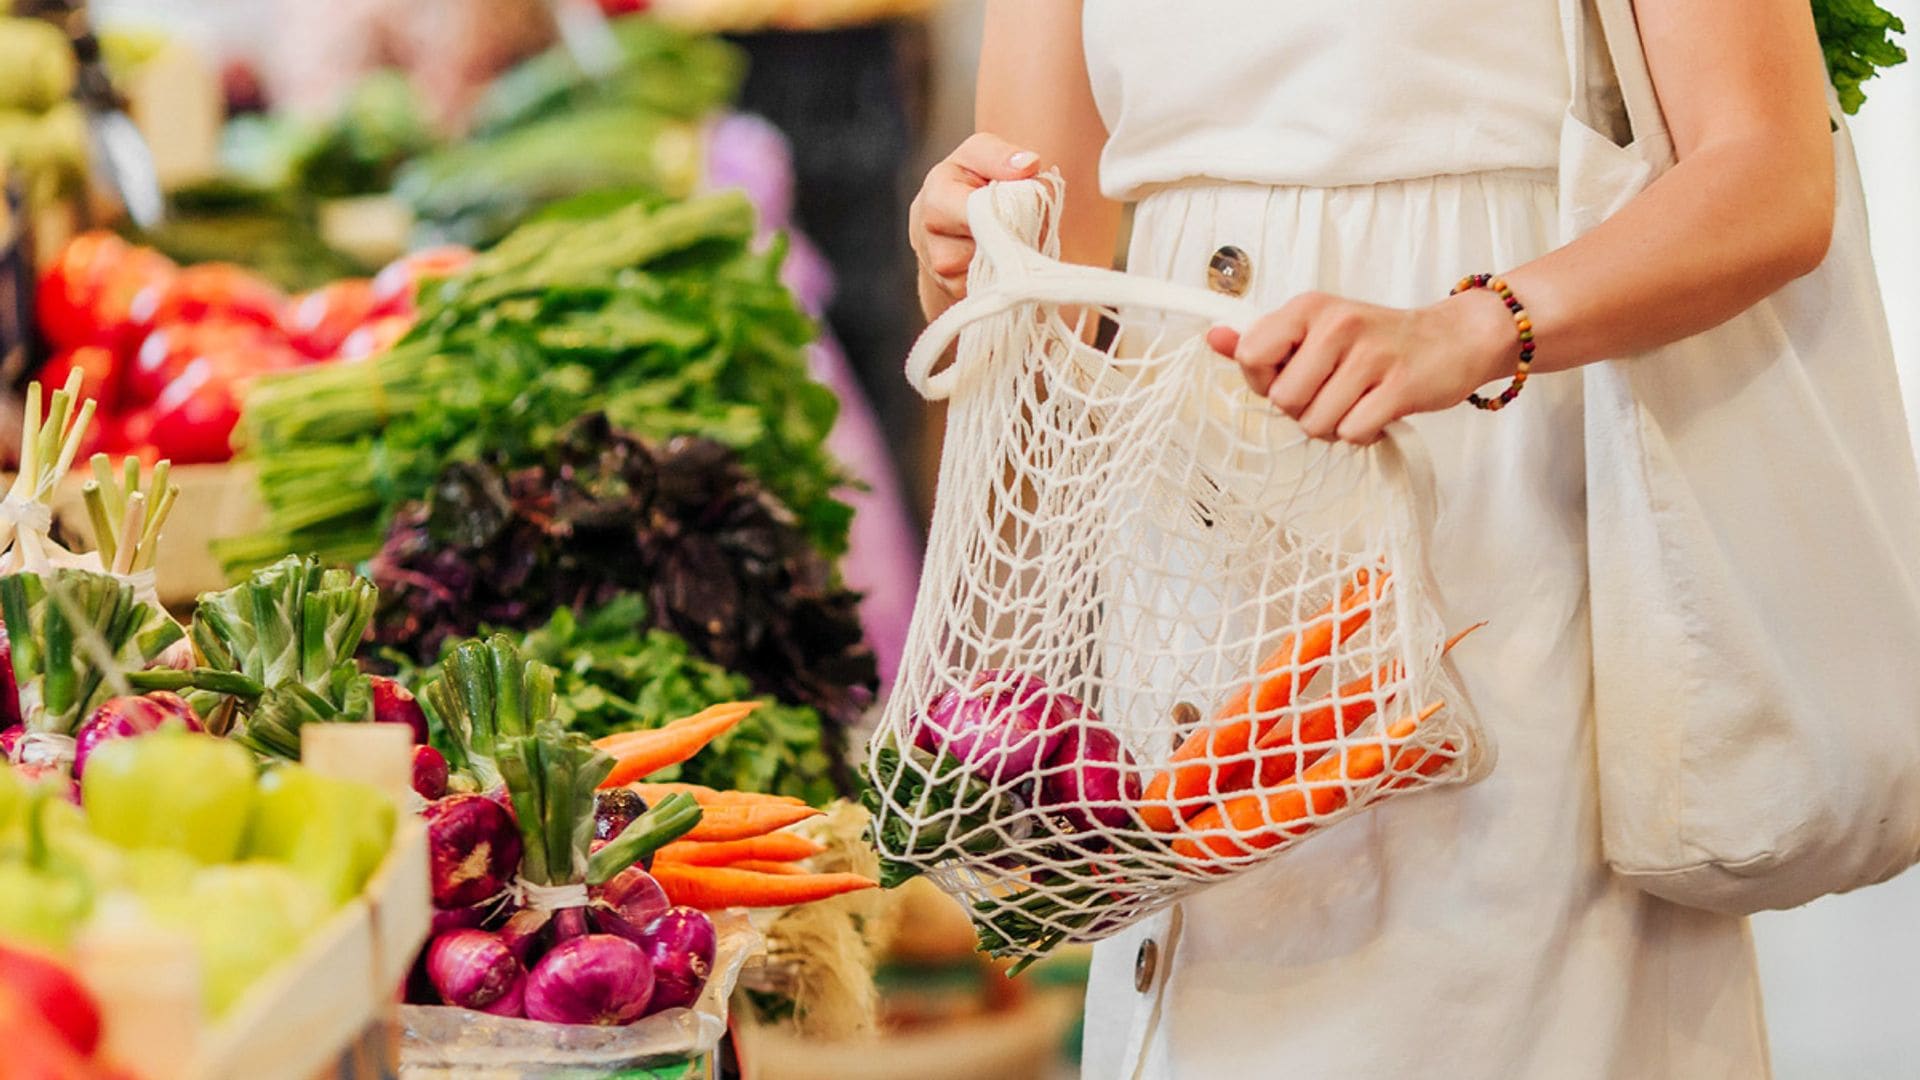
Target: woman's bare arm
(1034,110)
(1748,208)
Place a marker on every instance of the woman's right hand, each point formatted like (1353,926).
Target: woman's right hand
(937,221)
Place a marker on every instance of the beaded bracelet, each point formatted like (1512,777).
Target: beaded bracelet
(1520,322)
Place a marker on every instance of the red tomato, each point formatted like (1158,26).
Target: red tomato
(98,372)
(64,298)
(320,320)
(192,420)
(237,348)
(394,286)
(141,272)
(375,337)
(206,290)
(55,993)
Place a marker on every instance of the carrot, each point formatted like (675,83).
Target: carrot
(713,887)
(722,823)
(707,796)
(1414,763)
(641,753)
(646,736)
(1215,759)
(758,866)
(773,847)
(1350,707)
(1257,822)
(1335,718)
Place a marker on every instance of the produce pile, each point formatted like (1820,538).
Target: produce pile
(176,829)
(661,315)
(605,421)
(154,777)
(168,352)
(567,888)
(542,132)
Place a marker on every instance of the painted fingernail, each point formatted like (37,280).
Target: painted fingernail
(1023,159)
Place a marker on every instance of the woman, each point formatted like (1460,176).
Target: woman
(1351,162)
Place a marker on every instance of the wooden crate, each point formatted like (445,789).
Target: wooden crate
(216,502)
(326,1012)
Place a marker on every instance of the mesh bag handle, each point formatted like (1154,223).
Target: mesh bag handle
(1161,635)
(1015,265)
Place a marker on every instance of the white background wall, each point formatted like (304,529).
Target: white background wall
(1843,975)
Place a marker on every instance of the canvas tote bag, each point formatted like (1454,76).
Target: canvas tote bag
(1753,522)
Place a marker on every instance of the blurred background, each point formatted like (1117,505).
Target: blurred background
(313,141)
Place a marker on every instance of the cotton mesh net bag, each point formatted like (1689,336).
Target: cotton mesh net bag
(1161,635)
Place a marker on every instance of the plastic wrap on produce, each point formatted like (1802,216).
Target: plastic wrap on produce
(438,1041)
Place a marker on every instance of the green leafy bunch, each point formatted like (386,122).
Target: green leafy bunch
(1857,38)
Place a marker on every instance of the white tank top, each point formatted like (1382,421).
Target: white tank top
(1327,94)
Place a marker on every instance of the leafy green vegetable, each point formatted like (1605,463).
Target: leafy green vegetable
(612,674)
(663,315)
(485,693)
(473,192)
(720,562)
(544,131)
(273,232)
(666,71)
(75,636)
(1857,37)
(379,126)
(292,629)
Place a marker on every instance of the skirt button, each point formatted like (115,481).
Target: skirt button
(1143,964)
(1229,271)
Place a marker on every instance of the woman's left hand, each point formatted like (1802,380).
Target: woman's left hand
(1345,370)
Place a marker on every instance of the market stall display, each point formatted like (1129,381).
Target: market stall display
(176,878)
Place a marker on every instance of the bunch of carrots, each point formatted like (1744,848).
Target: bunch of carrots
(1251,779)
(740,854)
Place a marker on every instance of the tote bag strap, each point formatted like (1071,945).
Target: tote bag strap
(1619,29)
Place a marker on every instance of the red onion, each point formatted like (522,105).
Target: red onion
(395,704)
(1091,780)
(124,717)
(569,923)
(522,931)
(614,809)
(473,849)
(446,920)
(596,979)
(1000,727)
(9,738)
(429,772)
(628,902)
(680,945)
(472,968)
(512,1003)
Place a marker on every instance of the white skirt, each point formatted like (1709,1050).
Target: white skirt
(1469,932)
